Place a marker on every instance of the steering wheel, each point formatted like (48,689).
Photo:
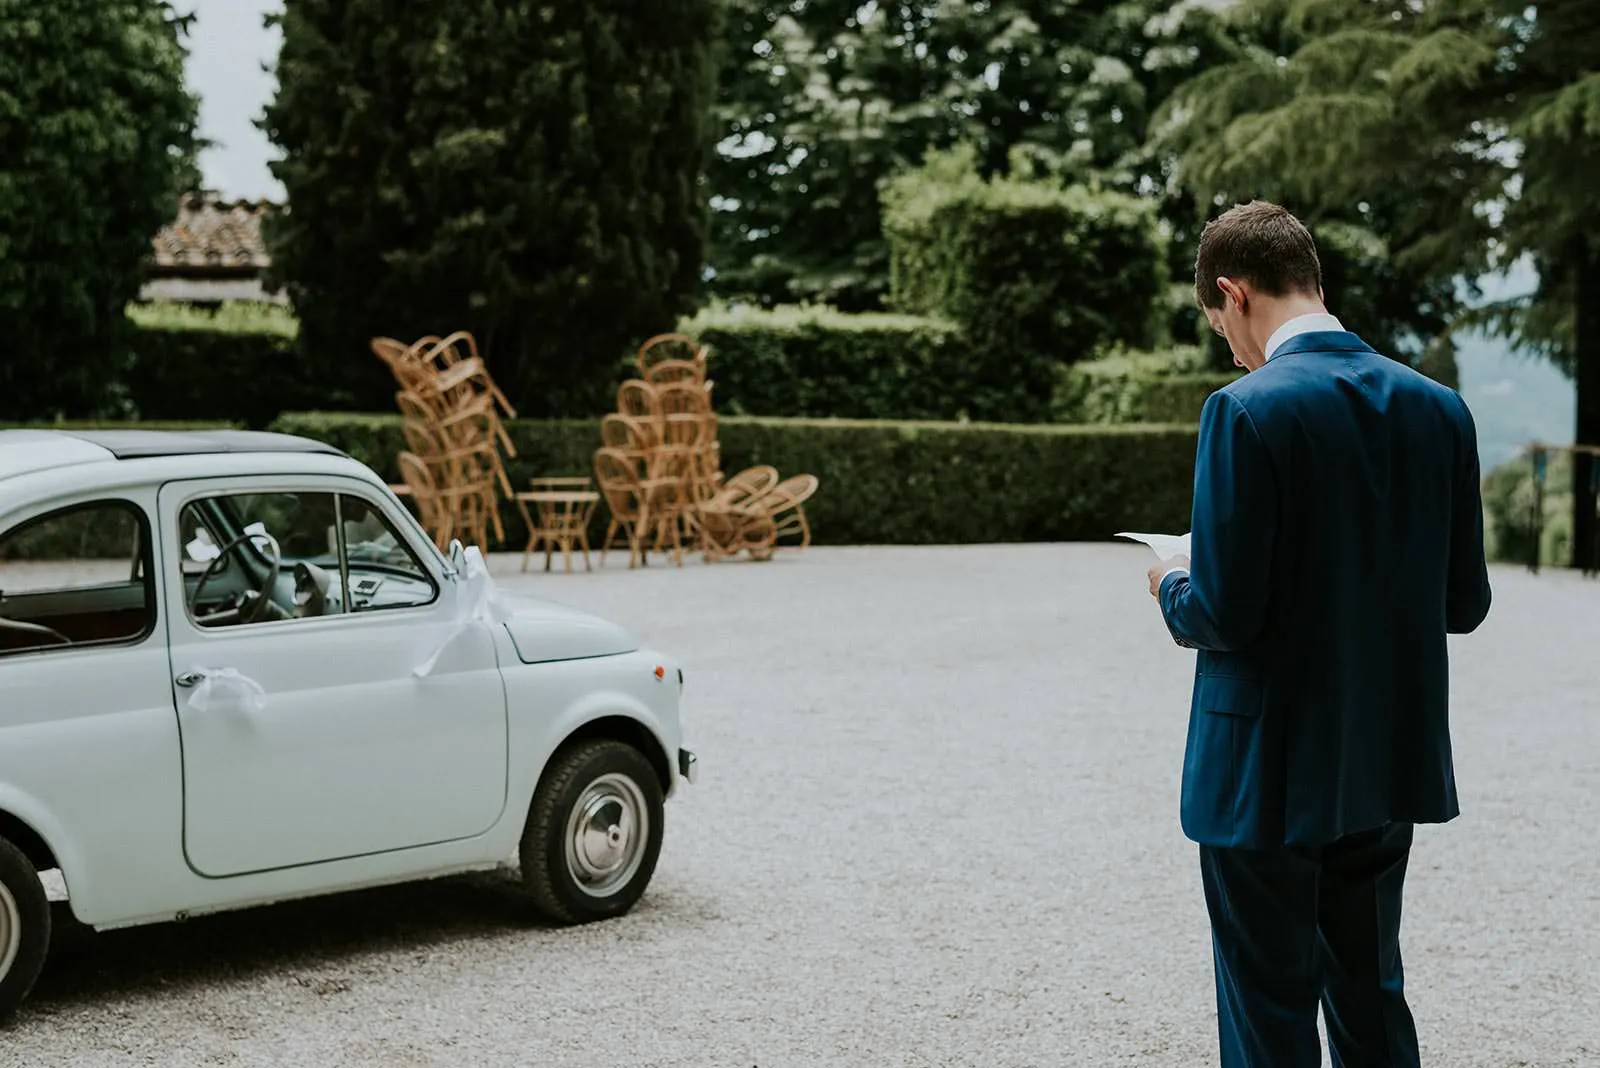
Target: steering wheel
(35,628)
(252,603)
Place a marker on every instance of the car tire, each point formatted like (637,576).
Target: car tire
(593,834)
(24,928)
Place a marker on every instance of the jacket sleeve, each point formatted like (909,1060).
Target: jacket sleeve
(1467,593)
(1221,603)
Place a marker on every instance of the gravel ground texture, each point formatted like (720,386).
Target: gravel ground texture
(937,824)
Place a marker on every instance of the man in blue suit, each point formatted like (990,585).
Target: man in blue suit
(1337,537)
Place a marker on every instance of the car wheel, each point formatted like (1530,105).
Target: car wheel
(24,927)
(593,834)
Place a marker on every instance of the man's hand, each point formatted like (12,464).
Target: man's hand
(1157,572)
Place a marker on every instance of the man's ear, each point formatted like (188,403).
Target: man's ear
(1235,292)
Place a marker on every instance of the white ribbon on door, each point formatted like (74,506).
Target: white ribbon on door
(226,688)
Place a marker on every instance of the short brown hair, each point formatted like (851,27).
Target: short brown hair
(1260,243)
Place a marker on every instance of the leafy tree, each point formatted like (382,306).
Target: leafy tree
(526,171)
(1400,308)
(1475,123)
(820,102)
(96,144)
(1071,84)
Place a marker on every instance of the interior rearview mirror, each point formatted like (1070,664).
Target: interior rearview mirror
(313,590)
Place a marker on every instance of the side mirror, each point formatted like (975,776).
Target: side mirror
(458,556)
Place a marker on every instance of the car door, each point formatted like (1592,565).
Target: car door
(317,722)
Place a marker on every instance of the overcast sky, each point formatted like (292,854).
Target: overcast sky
(228,47)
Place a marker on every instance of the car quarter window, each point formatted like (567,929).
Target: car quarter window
(384,571)
(263,557)
(76,576)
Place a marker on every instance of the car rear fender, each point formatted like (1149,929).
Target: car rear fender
(29,818)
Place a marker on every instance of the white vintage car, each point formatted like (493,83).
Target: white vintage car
(234,670)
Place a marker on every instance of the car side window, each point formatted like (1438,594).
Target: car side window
(77,576)
(269,557)
(260,557)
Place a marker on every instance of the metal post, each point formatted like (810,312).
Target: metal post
(1537,524)
(1591,567)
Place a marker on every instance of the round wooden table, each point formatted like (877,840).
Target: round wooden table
(563,518)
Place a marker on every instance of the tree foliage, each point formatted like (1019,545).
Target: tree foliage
(1246,129)
(1469,130)
(821,100)
(96,144)
(525,171)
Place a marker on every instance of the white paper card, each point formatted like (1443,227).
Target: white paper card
(262,538)
(202,550)
(1165,546)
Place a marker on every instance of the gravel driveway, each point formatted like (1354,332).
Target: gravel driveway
(936,825)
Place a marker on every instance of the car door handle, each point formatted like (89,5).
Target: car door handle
(190,678)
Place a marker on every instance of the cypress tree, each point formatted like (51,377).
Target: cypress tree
(526,171)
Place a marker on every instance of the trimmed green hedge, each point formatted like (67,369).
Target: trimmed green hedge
(820,363)
(1035,275)
(239,364)
(1508,495)
(817,363)
(545,447)
(903,483)
(1177,399)
(1137,387)
(91,534)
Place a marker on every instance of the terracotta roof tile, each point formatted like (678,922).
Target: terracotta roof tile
(213,234)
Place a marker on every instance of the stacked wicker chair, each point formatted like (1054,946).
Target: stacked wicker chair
(653,451)
(453,416)
(660,473)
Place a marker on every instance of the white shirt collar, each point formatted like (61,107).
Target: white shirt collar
(1300,324)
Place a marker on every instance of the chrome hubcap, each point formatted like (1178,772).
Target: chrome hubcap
(606,833)
(10,930)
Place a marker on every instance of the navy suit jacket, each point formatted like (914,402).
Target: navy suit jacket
(1337,537)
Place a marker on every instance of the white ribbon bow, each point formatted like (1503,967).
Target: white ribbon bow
(480,602)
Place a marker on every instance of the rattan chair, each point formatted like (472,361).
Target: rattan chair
(668,348)
(452,418)
(784,504)
(634,501)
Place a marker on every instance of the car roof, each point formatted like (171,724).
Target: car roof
(27,451)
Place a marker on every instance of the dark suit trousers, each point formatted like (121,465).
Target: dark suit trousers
(1296,926)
